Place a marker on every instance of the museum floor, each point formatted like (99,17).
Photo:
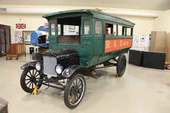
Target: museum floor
(141,90)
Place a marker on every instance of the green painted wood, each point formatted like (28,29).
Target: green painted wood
(91,47)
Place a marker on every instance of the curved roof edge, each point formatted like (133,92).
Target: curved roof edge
(95,13)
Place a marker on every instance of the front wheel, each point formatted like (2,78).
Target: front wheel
(121,65)
(74,91)
(30,78)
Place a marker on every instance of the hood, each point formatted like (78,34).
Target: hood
(61,53)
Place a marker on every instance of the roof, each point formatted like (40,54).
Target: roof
(97,14)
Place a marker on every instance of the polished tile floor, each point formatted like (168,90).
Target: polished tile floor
(140,90)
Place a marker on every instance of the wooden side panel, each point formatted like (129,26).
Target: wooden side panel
(17,49)
(158,41)
(116,44)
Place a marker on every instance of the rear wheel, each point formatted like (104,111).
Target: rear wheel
(74,91)
(121,65)
(30,78)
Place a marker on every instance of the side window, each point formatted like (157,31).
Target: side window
(120,30)
(98,27)
(115,29)
(124,31)
(52,27)
(129,32)
(86,29)
(59,29)
(108,29)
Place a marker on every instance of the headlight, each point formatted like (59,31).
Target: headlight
(38,66)
(58,69)
(67,73)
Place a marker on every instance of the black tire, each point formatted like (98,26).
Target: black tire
(121,65)
(29,78)
(73,90)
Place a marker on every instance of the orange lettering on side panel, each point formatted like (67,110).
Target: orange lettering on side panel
(117,44)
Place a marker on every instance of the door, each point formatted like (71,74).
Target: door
(99,38)
(2,41)
(52,33)
(7,38)
(93,42)
(86,41)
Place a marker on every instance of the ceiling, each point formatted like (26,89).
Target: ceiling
(131,4)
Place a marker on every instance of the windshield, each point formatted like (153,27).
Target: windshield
(69,30)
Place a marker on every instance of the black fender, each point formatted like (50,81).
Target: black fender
(69,71)
(29,64)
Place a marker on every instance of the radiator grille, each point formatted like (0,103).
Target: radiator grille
(49,64)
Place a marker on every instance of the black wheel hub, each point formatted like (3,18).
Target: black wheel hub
(33,79)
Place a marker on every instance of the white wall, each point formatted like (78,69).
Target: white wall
(144,19)
(44,9)
(162,23)
(32,21)
(143,25)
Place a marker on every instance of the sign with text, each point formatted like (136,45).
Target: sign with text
(20,26)
(117,44)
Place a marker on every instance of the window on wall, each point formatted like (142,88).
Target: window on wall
(86,29)
(120,30)
(68,30)
(115,29)
(108,29)
(52,27)
(124,31)
(59,29)
(129,31)
(98,27)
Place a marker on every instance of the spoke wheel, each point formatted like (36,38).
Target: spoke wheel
(74,91)
(30,78)
(121,65)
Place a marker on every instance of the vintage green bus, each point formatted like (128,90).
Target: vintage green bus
(79,40)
